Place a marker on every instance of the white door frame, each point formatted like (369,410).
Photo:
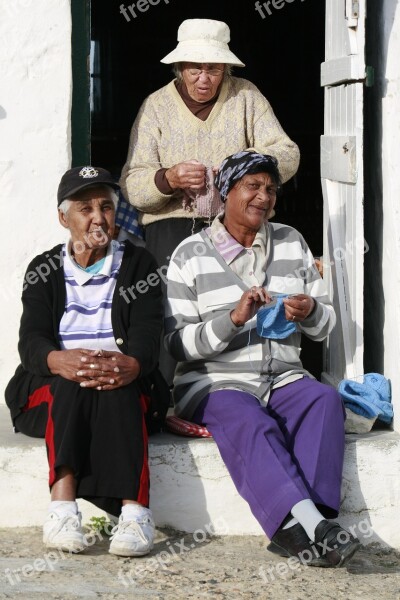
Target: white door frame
(342,180)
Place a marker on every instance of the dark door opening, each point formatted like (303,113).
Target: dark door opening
(282,53)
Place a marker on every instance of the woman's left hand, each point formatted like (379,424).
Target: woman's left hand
(108,370)
(297,308)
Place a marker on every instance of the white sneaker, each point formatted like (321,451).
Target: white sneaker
(64,532)
(133,537)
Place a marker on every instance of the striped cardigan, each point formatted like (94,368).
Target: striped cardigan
(213,353)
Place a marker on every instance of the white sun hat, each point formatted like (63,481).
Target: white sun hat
(203,41)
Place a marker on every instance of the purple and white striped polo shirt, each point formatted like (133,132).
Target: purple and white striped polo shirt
(86,322)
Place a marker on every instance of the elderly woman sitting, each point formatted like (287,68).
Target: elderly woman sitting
(279,431)
(86,352)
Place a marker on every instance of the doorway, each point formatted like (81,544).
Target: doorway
(282,51)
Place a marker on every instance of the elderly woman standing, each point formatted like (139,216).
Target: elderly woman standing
(190,125)
(86,352)
(279,432)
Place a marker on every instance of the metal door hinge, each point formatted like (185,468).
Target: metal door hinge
(352,12)
(355,9)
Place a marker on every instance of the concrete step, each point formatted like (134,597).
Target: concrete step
(192,490)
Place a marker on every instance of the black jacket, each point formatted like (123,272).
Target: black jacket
(137,322)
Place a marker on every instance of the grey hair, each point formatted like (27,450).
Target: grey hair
(65,204)
(177,70)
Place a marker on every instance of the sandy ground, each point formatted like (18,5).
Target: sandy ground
(187,566)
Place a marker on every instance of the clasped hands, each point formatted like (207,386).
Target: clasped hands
(297,307)
(99,369)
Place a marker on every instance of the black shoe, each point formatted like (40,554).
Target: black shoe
(295,542)
(334,543)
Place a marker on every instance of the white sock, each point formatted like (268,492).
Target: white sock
(63,507)
(291,523)
(132,512)
(308,516)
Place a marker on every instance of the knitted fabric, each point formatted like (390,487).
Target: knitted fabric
(370,399)
(207,202)
(272,323)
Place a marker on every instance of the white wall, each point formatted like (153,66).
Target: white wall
(35,104)
(391,198)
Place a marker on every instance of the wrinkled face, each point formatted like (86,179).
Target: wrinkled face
(251,201)
(202,79)
(90,218)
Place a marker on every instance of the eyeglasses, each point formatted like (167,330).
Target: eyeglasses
(208,72)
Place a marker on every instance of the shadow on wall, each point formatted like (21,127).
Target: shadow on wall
(192,491)
(3,113)
(177,496)
(371,489)
(347,334)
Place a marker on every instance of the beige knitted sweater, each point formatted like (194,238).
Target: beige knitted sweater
(166,132)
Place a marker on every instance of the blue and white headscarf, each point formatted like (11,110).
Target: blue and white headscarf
(242,163)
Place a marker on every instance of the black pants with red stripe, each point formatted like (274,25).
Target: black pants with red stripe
(100,435)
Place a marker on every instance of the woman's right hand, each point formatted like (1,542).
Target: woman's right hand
(67,363)
(190,174)
(249,304)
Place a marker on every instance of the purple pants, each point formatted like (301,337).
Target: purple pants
(283,453)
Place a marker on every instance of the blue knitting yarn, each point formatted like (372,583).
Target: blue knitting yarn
(272,323)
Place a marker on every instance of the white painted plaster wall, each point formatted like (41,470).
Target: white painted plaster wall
(391,197)
(35,103)
(191,489)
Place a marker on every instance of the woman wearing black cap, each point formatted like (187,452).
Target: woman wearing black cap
(87,348)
